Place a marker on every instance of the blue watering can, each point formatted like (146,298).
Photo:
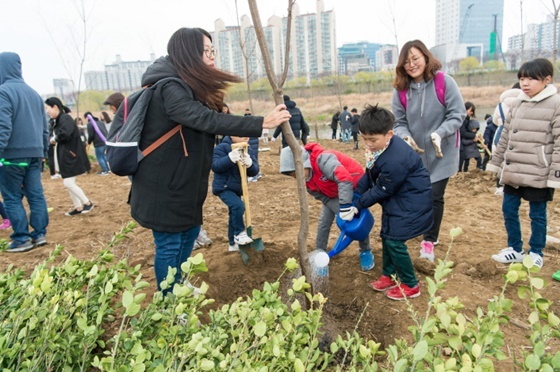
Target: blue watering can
(356,229)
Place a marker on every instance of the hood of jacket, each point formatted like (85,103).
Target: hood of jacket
(160,69)
(10,67)
(510,95)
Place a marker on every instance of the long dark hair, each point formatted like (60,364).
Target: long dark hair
(402,79)
(55,101)
(185,49)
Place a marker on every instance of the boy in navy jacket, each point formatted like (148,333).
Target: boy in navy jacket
(396,179)
(227,185)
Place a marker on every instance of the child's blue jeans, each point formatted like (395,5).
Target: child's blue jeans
(236,208)
(537,214)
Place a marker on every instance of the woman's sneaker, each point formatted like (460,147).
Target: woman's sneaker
(5,224)
(427,250)
(87,208)
(508,255)
(537,259)
(242,238)
(233,248)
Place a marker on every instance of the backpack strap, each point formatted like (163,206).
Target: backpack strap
(502,113)
(125,109)
(439,85)
(402,98)
(161,140)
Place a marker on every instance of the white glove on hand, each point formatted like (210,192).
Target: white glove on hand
(410,141)
(436,141)
(273,139)
(347,213)
(247,161)
(235,155)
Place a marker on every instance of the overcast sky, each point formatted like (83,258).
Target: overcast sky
(46,34)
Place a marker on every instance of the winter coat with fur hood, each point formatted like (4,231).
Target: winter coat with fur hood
(528,153)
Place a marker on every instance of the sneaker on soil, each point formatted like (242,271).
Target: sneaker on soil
(196,245)
(383,283)
(73,212)
(16,247)
(537,259)
(367,261)
(5,224)
(55,176)
(402,291)
(242,238)
(508,255)
(103,173)
(427,250)
(203,238)
(233,248)
(87,208)
(39,241)
(499,191)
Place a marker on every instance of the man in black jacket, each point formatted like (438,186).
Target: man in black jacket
(97,136)
(297,123)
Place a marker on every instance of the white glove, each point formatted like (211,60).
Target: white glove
(347,213)
(436,141)
(247,161)
(273,139)
(235,155)
(410,141)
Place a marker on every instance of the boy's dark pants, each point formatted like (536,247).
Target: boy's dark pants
(396,261)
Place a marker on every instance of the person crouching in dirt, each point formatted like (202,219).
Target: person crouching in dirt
(330,176)
(396,179)
(227,185)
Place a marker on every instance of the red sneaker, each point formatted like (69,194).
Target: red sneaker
(383,283)
(403,291)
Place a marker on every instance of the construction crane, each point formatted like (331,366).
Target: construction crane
(463,27)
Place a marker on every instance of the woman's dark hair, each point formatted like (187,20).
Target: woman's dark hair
(376,120)
(402,79)
(55,101)
(538,69)
(185,49)
(106,117)
(469,105)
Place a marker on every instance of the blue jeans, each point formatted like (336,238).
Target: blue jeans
(236,208)
(172,249)
(17,182)
(537,214)
(101,158)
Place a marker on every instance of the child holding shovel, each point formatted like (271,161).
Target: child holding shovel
(330,176)
(227,185)
(396,179)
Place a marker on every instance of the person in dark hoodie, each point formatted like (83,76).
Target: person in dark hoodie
(23,145)
(98,140)
(297,123)
(170,186)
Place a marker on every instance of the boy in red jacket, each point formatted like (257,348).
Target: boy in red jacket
(330,176)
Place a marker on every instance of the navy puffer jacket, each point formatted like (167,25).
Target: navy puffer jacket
(400,183)
(226,173)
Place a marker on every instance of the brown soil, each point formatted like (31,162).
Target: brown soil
(470,204)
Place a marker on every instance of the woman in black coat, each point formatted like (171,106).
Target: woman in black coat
(170,185)
(70,153)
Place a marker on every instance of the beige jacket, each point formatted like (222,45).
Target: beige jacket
(529,149)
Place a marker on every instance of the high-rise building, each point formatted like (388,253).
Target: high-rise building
(468,28)
(121,76)
(64,89)
(355,57)
(312,45)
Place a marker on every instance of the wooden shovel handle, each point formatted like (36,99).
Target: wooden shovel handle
(244,187)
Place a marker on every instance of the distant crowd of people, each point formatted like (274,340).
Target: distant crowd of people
(411,151)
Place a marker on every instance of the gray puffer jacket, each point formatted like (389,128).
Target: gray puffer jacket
(529,149)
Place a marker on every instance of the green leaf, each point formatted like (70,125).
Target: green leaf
(206,365)
(127,299)
(534,317)
(476,350)
(401,365)
(298,365)
(533,362)
(455,232)
(260,329)
(512,276)
(133,309)
(455,342)
(108,287)
(420,350)
(553,320)
(538,283)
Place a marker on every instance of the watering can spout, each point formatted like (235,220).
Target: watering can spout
(356,229)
